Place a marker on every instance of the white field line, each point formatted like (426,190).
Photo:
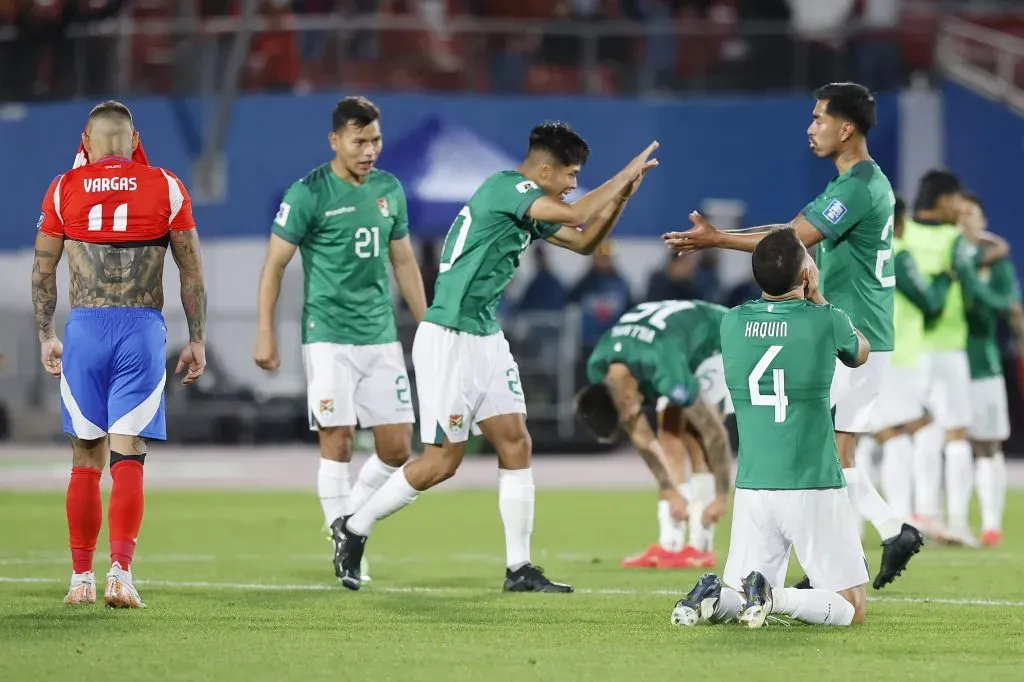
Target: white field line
(283,587)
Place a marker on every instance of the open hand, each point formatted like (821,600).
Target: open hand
(703,235)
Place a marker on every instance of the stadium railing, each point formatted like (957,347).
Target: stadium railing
(986,60)
(235,402)
(189,54)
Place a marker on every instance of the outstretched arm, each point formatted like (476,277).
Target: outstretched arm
(704,235)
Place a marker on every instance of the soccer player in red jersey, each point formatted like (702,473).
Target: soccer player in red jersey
(114,218)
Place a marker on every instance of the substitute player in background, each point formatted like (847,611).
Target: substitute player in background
(939,245)
(852,224)
(780,355)
(664,352)
(348,219)
(467,378)
(990,416)
(114,218)
(899,413)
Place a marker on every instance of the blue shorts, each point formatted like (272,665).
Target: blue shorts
(114,370)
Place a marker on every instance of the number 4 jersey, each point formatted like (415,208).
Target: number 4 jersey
(343,232)
(662,343)
(779,359)
(855,213)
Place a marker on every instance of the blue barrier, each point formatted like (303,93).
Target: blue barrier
(746,148)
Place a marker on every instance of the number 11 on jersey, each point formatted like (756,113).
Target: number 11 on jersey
(777,398)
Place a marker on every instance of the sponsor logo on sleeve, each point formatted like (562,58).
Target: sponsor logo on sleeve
(39,223)
(525,186)
(282,214)
(835,211)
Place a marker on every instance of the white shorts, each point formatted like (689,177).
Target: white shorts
(365,385)
(819,524)
(713,391)
(990,414)
(901,400)
(461,380)
(948,393)
(855,391)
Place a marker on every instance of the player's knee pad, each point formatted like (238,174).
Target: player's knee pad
(116,457)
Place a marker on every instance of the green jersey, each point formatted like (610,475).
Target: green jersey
(856,213)
(662,343)
(343,233)
(481,253)
(779,359)
(983,321)
(917,300)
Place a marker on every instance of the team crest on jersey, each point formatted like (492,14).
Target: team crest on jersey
(382,204)
(455,422)
(835,211)
(679,393)
(326,407)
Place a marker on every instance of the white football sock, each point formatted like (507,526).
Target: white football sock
(928,471)
(392,496)
(729,606)
(999,466)
(867,447)
(869,504)
(371,477)
(817,607)
(333,487)
(985,481)
(703,493)
(671,534)
(959,479)
(898,474)
(516,501)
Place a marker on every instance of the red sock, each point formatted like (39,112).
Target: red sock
(85,515)
(124,515)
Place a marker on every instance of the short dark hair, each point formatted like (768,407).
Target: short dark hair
(778,261)
(973,198)
(561,141)
(356,110)
(934,185)
(111,109)
(850,101)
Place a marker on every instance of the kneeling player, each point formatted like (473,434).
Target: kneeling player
(779,355)
(656,351)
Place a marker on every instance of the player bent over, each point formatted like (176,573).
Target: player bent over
(779,354)
(665,351)
(467,378)
(348,220)
(114,219)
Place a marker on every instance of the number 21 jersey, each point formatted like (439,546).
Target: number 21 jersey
(344,232)
(482,251)
(779,358)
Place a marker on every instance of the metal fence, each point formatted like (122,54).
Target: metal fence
(235,402)
(300,52)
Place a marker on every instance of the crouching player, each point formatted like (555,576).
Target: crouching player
(779,355)
(656,352)
(114,219)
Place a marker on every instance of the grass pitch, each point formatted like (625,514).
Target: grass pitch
(239,586)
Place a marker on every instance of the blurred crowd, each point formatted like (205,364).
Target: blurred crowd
(601,46)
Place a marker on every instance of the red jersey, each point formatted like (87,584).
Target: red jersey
(116,201)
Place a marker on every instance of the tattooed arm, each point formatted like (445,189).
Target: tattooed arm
(44,282)
(185,250)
